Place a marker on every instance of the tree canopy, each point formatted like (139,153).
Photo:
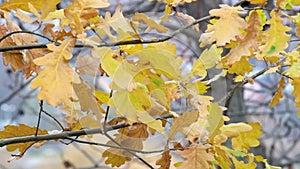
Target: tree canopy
(70,43)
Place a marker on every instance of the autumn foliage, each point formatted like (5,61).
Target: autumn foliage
(145,78)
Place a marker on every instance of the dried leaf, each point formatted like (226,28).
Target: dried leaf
(148,21)
(197,156)
(183,121)
(278,93)
(165,160)
(88,65)
(87,100)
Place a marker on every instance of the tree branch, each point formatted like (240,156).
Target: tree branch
(68,134)
(129,42)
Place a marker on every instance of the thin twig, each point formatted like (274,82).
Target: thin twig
(117,147)
(67,134)
(9,97)
(119,144)
(241,84)
(27,32)
(129,151)
(128,42)
(39,118)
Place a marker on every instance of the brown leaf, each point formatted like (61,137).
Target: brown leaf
(183,121)
(197,156)
(165,160)
(88,65)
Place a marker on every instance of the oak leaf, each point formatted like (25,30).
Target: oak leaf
(247,139)
(129,137)
(276,38)
(165,160)
(183,121)
(296,92)
(87,100)
(247,44)
(88,65)
(197,156)
(278,93)
(240,70)
(56,79)
(11,131)
(12,58)
(149,22)
(228,26)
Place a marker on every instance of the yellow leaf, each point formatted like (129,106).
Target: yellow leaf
(221,157)
(115,157)
(118,22)
(149,22)
(57,76)
(228,27)
(22,4)
(235,129)
(101,96)
(18,131)
(121,101)
(293,59)
(199,68)
(140,99)
(198,86)
(247,44)
(261,2)
(247,139)
(94,3)
(87,121)
(239,78)
(242,165)
(210,57)
(275,37)
(278,93)
(296,20)
(147,119)
(165,59)
(197,156)
(48,7)
(296,92)
(108,63)
(214,119)
(241,67)
(287,4)
(183,121)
